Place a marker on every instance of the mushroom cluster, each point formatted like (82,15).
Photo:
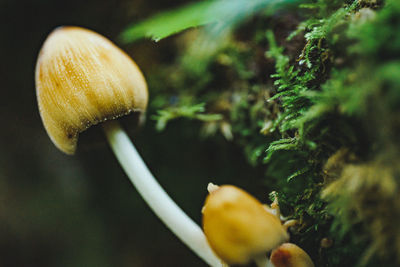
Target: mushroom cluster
(240,230)
(83,79)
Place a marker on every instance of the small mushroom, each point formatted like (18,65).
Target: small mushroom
(238,227)
(83,79)
(290,255)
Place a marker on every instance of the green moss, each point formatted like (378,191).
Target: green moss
(313,98)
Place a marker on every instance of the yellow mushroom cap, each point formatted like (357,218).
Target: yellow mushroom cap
(290,255)
(237,226)
(83,79)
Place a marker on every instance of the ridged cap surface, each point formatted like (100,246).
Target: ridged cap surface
(83,79)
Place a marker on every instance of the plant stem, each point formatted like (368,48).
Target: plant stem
(158,200)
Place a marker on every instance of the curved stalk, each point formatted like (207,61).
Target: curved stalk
(158,200)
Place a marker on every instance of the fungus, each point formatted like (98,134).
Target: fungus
(290,255)
(238,227)
(83,79)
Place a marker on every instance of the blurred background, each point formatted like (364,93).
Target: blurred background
(59,210)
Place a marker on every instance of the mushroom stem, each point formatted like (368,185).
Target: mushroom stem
(158,200)
(261,261)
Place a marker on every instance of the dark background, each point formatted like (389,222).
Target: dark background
(59,210)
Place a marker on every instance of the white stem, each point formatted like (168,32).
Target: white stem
(262,261)
(161,204)
(270,264)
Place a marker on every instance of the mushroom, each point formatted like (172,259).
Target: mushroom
(83,79)
(238,227)
(290,255)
